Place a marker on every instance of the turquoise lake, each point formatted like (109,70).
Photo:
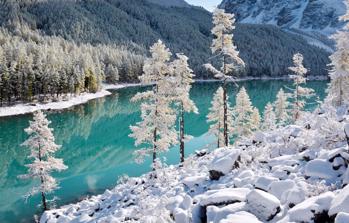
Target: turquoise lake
(96,146)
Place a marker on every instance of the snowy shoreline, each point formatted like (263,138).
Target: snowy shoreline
(21,109)
(298,173)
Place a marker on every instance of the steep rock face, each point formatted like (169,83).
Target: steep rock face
(310,15)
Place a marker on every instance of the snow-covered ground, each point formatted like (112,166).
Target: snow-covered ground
(72,101)
(298,173)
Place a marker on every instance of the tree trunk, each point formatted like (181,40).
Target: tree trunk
(182,134)
(297,103)
(155,89)
(154,149)
(340,92)
(219,134)
(43,199)
(225,118)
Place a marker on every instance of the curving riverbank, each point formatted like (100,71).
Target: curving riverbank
(21,109)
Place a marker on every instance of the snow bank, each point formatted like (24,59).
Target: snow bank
(294,174)
(76,100)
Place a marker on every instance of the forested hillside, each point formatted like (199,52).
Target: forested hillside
(183,29)
(77,45)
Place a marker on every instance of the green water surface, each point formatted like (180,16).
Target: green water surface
(96,146)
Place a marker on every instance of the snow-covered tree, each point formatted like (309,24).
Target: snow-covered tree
(223,47)
(216,119)
(41,143)
(269,119)
(243,110)
(299,93)
(255,119)
(156,132)
(338,90)
(282,108)
(183,78)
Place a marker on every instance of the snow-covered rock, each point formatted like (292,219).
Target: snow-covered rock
(277,188)
(181,216)
(342,218)
(224,164)
(264,182)
(194,180)
(264,205)
(241,217)
(223,196)
(320,168)
(306,211)
(216,214)
(341,202)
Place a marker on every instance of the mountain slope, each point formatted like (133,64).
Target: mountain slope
(312,15)
(139,24)
(172,3)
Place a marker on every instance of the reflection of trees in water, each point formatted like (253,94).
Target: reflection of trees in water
(261,92)
(95,137)
(79,120)
(13,156)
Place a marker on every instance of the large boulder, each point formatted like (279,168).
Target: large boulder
(224,163)
(264,182)
(223,196)
(277,188)
(320,168)
(309,209)
(262,204)
(241,217)
(342,218)
(216,214)
(341,202)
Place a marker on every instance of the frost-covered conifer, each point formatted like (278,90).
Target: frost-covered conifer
(41,143)
(216,120)
(338,90)
(282,108)
(156,132)
(183,78)
(255,120)
(269,119)
(223,46)
(243,110)
(299,93)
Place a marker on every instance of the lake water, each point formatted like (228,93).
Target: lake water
(96,146)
